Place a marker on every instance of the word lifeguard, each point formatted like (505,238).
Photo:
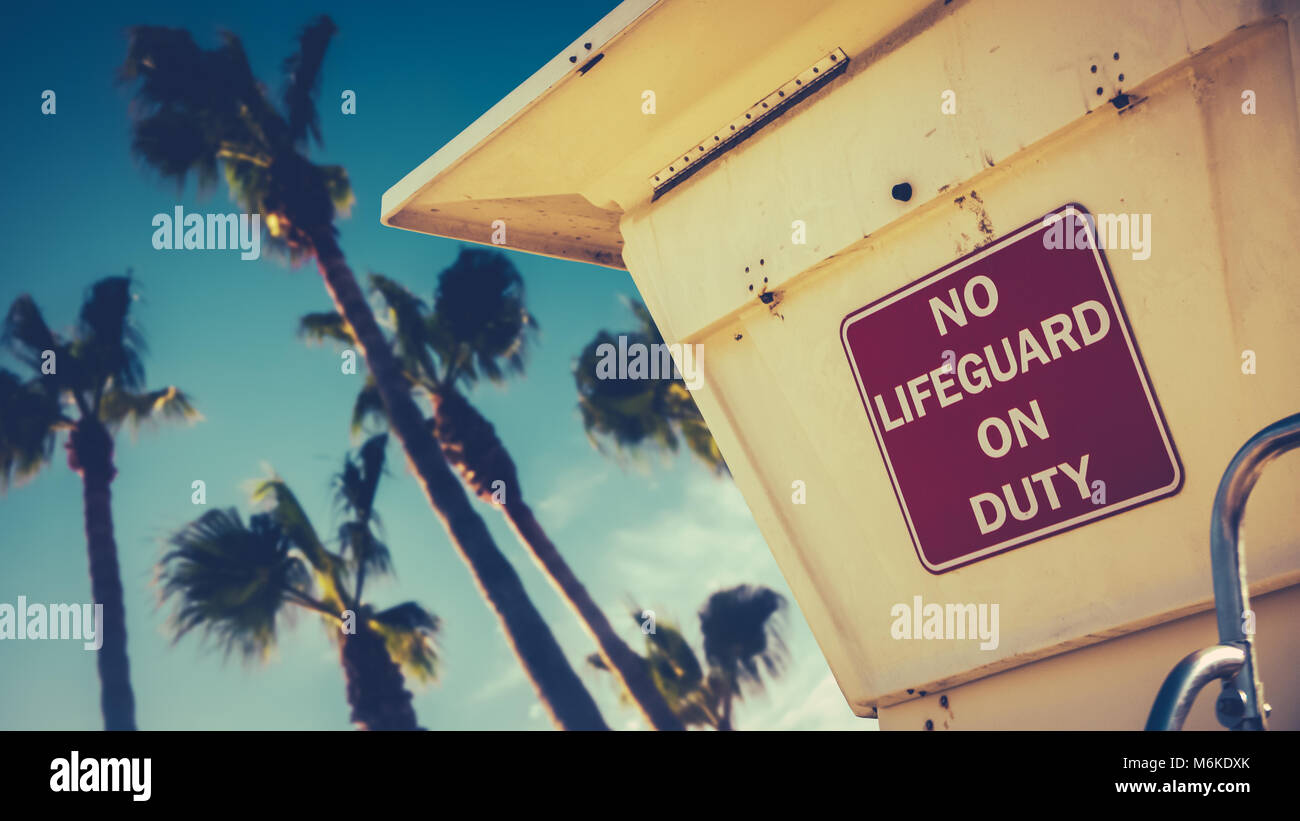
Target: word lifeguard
(1086,324)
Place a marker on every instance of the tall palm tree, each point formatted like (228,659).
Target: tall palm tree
(646,414)
(480,327)
(237,582)
(198,111)
(88,385)
(742,641)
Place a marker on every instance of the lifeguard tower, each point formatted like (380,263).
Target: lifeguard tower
(991,292)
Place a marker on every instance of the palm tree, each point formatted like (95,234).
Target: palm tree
(742,640)
(640,413)
(480,328)
(198,111)
(88,385)
(237,582)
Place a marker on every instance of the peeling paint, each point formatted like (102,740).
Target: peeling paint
(982,222)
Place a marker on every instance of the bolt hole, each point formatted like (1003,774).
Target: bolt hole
(834,58)
(798,82)
(814,71)
(670,168)
(748,117)
(943,702)
(760,262)
(733,128)
(764,105)
(1115,56)
(573,59)
(716,139)
(1121,78)
(751,287)
(587,46)
(1094,69)
(929,724)
(780,94)
(747,269)
(1098,91)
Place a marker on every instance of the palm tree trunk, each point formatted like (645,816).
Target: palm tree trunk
(472,446)
(724,722)
(620,658)
(90,454)
(376,690)
(561,691)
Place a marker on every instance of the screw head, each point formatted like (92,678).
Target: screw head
(1230,706)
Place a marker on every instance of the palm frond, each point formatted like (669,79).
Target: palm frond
(193,106)
(169,66)
(636,415)
(26,334)
(249,183)
(253,110)
(326,325)
(107,346)
(358,482)
(483,321)
(368,411)
(283,507)
(356,485)
(119,407)
(339,187)
(678,675)
(229,581)
(742,637)
(410,633)
(632,414)
(29,419)
(693,429)
(304,70)
(363,551)
(177,145)
(406,314)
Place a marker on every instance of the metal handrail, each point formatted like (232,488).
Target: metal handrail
(1184,683)
(1241,704)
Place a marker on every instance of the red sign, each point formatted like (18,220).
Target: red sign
(1007,395)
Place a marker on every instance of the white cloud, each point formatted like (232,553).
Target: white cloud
(511,678)
(570,493)
(820,708)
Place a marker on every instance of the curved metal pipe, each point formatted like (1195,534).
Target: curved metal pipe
(1228,559)
(1185,681)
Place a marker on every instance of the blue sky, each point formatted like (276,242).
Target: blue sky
(78,207)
